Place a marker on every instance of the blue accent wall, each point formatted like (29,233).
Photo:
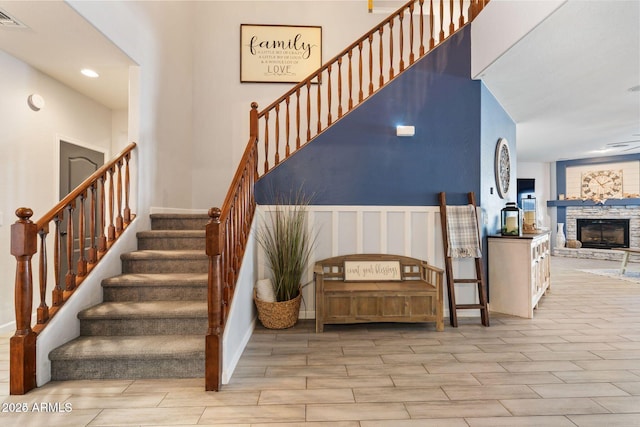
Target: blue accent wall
(361,161)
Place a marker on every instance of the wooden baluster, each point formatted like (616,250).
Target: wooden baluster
(452,27)
(22,345)
(92,257)
(277,136)
(319,105)
(472,10)
(401,17)
(266,142)
(381,54)
(411,54)
(461,19)
(102,238)
(43,310)
(391,70)
(111,229)
(340,87)
(70,278)
(308,110)
(441,20)
(127,185)
(422,28)
(57,296)
(432,40)
(287,150)
(350,80)
(297,118)
(213,339)
(82,261)
(360,93)
(329,118)
(370,64)
(119,218)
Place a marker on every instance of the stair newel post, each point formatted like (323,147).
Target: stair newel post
(213,340)
(22,346)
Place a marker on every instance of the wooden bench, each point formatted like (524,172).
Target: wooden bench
(367,288)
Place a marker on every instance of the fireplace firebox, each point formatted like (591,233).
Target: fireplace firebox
(603,233)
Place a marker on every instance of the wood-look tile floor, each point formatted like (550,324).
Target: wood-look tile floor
(577,363)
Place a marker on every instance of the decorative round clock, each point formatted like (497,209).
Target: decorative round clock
(503,167)
(605,184)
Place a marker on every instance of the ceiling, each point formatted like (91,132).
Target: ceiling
(54,39)
(566,83)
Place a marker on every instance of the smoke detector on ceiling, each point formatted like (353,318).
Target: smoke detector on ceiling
(9,21)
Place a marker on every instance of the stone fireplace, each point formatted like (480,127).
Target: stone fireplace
(595,213)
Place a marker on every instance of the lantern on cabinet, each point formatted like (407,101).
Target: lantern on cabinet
(511,219)
(529,214)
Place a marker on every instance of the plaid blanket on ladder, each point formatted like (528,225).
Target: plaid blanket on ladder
(463,234)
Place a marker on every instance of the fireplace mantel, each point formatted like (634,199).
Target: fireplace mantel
(585,203)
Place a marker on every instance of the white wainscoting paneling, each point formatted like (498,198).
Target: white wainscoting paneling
(413,231)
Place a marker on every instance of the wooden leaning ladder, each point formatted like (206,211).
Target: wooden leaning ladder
(451,281)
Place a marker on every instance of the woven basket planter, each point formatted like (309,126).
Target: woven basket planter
(278,315)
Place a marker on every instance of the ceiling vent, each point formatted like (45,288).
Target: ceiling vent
(8,21)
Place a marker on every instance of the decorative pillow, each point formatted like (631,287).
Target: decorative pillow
(264,290)
(575,244)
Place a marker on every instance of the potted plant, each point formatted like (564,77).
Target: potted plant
(287,243)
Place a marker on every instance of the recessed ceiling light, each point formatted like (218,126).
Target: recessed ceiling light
(89,73)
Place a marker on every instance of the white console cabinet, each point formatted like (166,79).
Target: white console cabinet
(518,273)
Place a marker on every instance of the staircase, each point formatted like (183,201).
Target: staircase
(153,320)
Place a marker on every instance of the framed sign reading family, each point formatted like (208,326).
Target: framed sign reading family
(279,53)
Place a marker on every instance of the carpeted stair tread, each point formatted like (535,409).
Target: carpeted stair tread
(150,254)
(161,279)
(128,347)
(148,310)
(171,233)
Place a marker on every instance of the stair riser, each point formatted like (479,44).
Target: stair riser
(126,327)
(154,293)
(179,243)
(179,223)
(165,266)
(65,370)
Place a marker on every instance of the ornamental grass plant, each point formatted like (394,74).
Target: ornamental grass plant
(287,243)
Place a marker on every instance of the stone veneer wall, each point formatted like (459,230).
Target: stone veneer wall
(615,212)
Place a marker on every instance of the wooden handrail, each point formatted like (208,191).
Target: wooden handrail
(25,235)
(229,226)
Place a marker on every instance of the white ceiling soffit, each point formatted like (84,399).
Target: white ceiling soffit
(56,40)
(568,84)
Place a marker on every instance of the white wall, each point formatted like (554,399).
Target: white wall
(28,153)
(490,41)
